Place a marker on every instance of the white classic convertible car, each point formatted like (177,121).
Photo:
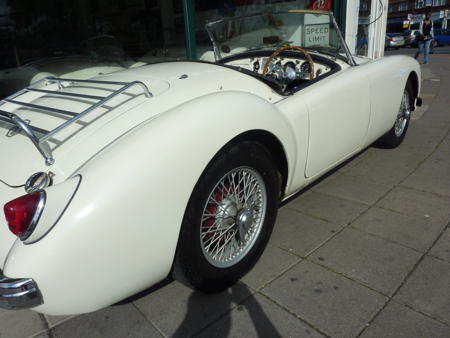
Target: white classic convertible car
(111,184)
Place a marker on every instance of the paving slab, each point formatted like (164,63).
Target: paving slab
(442,248)
(445,145)
(332,209)
(114,321)
(383,172)
(433,175)
(371,260)
(56,320)
(329,302)
(178,311)
(428,289)
(272,263)
(417,232)
(399,160)
(422,140)
(19,324)
(299,233)
(399,321)
(354,188)
(259,317)
(413,202)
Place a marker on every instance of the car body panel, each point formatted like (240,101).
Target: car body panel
(337,112)
(134,162)
(442,36)
(117,231)
(386,88)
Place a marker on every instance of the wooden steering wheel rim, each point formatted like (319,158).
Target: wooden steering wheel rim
(282,49)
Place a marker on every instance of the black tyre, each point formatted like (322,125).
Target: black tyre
(394,137)
(229,217)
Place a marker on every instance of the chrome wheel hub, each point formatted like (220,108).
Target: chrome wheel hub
(403,115)
(244,218)
(233,217)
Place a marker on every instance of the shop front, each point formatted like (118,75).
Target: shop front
(84,38)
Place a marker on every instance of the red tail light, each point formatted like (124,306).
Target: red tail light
(22,214)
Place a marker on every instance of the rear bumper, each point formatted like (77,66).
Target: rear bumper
(19,293)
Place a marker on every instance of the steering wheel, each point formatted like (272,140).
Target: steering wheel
(282,49)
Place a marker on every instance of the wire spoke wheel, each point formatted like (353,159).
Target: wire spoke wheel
(394,136)
(229,218)
(403,115)
(233,216)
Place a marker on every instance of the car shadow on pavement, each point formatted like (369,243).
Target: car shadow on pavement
(238,303)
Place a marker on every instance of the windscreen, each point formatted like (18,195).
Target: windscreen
(306,29)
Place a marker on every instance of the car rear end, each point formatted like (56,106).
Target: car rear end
(34,190)
(409,38)
(394,41)
(23,292)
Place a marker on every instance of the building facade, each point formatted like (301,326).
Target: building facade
(406,14)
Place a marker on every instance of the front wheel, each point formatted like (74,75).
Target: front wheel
(394,137)
(229,217)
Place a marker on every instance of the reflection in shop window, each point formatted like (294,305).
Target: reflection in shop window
(85,38)
(403,6)
(420,3)
(362,36)
(437,3)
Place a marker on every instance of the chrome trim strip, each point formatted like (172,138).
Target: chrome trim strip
(84,96)
(36,216)
(8,120)
(19,293)
(35,106)
(350,59)
(45,152)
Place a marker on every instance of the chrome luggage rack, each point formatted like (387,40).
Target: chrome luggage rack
(30,131)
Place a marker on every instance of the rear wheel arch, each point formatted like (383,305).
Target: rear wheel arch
(274,146)
(201,267)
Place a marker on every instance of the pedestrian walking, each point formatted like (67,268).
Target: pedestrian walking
(425,37)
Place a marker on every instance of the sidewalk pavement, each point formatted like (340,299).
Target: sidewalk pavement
(364,253)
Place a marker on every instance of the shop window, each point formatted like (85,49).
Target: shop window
(65,37)
(420,4)
(402,6)
(362,37)
(437,3)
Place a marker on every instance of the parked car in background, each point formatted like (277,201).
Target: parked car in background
(442,36)
(394,40)
(410,37)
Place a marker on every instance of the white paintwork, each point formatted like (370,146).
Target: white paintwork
(138,165)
